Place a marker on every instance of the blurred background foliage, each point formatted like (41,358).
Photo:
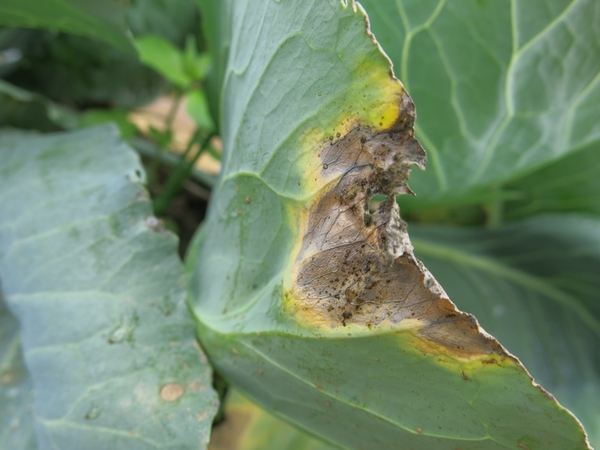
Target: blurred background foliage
(139,64)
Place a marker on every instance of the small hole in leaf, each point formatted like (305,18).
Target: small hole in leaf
(374,202)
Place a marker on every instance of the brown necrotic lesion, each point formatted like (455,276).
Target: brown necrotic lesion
(358,267)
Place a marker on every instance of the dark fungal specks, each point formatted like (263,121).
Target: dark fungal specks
(357,267)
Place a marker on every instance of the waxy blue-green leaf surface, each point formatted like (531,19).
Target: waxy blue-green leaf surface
(98,288)
(501,86)
(16,390)
(535,286)
(307,99)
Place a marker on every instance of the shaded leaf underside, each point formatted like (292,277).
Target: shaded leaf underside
(571,184)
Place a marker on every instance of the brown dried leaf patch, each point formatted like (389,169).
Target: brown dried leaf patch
(357,267)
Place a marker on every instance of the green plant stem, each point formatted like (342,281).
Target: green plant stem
(169,158)
(494,210)
(172,112)
(153,168)
(212,152)
(180,174)
(194,139)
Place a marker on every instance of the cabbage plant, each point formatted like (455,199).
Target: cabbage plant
(400,252)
